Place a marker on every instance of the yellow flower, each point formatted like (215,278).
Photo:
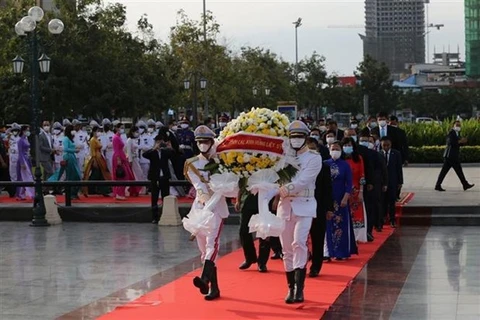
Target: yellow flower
(240,158)
(250,168)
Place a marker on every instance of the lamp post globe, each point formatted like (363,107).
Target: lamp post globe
(56,26)
(203,83)
(28,24)
(267,91)
(186,84)
(36,13)
(18,64)
(254,91)
(44,63)
(19,29)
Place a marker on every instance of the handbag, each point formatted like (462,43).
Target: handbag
(120,172)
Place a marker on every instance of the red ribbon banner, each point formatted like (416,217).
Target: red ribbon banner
(251,142)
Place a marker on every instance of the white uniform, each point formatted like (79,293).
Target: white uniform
(107,148)
(81,140)
(58,147)
(145,143)
(298,209)
(207,244)
(13,156)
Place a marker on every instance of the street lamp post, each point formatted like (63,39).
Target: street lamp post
(27,26)
(297,24)
(206,111)
(255,92)
(203,86)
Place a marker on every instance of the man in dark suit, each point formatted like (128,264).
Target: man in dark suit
(158,172)
(46,150)
(380,180)
(393,159)
(324,198)
(451,158)
(370,125)
(399,142)
(333,126)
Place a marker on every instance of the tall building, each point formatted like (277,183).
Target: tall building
(395,32)
(472,38)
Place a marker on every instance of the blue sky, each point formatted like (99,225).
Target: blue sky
(329,27)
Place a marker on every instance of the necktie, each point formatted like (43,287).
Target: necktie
(383,132)
(386,158)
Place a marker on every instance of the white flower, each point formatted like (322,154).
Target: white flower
(246,158)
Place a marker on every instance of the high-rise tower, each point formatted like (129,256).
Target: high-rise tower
(395,32)
(472,38)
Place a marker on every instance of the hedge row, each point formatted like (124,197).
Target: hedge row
(434,154)
(433,134)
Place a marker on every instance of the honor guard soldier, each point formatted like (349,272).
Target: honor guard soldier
(151,127)
(186,138)
(297,207)
(145,143)
(158,125)
(13,151)
(81,142)
(207,243)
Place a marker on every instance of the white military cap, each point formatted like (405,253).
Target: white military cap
(150,122)
(57,125)
(66,122)
(75,122)
(16,126)
(141,124)
(115,122)
(203,133)
(158,124)
(106,122)
(298,127)
(94,124)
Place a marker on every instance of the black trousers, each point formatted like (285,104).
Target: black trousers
(246,239)
(317,235)
(157,186)
(373,205)
(447,165)
(275,244)
(388,203)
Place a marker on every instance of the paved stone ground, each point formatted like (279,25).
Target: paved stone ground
(421,181)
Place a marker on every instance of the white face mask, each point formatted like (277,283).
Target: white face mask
(335,154)
(174,128)
(46,128)
(27,133)
(372,125)
(15,133)
(354,126)
(315,137)
(222,124)
(141,130)
(382,123)
(457,129)
(56,131)
(371,145)
(150,130)
(122,131)
(297,143)
(330,140)
(364,143)
(98,134)
(203,147)
(73,132)
(184,126)
(136,134)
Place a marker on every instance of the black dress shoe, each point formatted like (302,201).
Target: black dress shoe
(370,237)
(276,256)
(468,186)
(393,225)
(246,264)
(439,188)
(262,268)
(378,229)
(313,273)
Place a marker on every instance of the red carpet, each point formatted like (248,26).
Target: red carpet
(95,199)
(249,294)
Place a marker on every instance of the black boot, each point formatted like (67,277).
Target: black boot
(214,292)
(299,284)
(291,287)
(202,281)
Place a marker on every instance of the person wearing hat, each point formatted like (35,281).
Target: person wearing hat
(57,139)
(4,167)
(80,139)
(107,142)
(158,172)
(145,142)
(66,123)
(186,139)
(208,244)
(297,206)
(13,150)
